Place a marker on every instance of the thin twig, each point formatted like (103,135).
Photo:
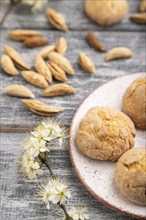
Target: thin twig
(44,160)
(7,11)
(46,163)
(65,212)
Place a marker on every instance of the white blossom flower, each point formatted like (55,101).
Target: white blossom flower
(56,191)
(41,133)
(78,214)
(33,169)
(25,159)
(34,145)
(56,131)
(30,167)
(36,4)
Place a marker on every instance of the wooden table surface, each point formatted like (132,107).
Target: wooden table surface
(17,195)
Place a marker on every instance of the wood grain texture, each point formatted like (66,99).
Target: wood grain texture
(73,10)
(18,200)
(3,8)
(16,117)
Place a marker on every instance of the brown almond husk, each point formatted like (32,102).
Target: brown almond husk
(8,65)
(58,90)
(56,19)
(57,72)
(21,35)
(42,68)
(35,41)
(139,18)
(94,42)
(16,57)
(41,108)
(35,79)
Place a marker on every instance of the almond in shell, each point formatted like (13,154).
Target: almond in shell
(61,46)
(86,63)
(56,19)
(41,108)
(16,57)
(58,90)
(8,65)
(46,50)
(57,72)
(42,68)
(21,35)
(35,79)
(62,62)
(19,91)
(35,41)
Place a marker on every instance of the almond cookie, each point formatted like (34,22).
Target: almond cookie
(134,102)
(105,133)
(130,175)
(106,12)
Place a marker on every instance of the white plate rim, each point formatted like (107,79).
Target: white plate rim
(113,207)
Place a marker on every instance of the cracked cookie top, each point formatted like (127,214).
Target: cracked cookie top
(134,102)
(130,175)
(105,133)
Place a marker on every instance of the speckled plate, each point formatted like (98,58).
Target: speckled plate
(97,176)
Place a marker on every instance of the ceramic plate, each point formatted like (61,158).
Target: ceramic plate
(97,176)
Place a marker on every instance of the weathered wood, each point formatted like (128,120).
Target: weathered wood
(3,8)
(15,117)
(22,17)
(18,200)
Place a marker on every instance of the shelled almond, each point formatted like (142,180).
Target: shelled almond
(35,41)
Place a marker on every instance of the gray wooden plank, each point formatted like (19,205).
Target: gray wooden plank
(14,116)
(73,10)
(18,200)
(3,8)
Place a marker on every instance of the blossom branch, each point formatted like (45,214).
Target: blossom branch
(65,212)
(35,154)
(10,5)
(44,160)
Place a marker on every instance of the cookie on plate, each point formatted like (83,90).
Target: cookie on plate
(130,175)
(105,133)
(134,102)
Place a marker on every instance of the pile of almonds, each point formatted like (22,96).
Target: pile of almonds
(50,63)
